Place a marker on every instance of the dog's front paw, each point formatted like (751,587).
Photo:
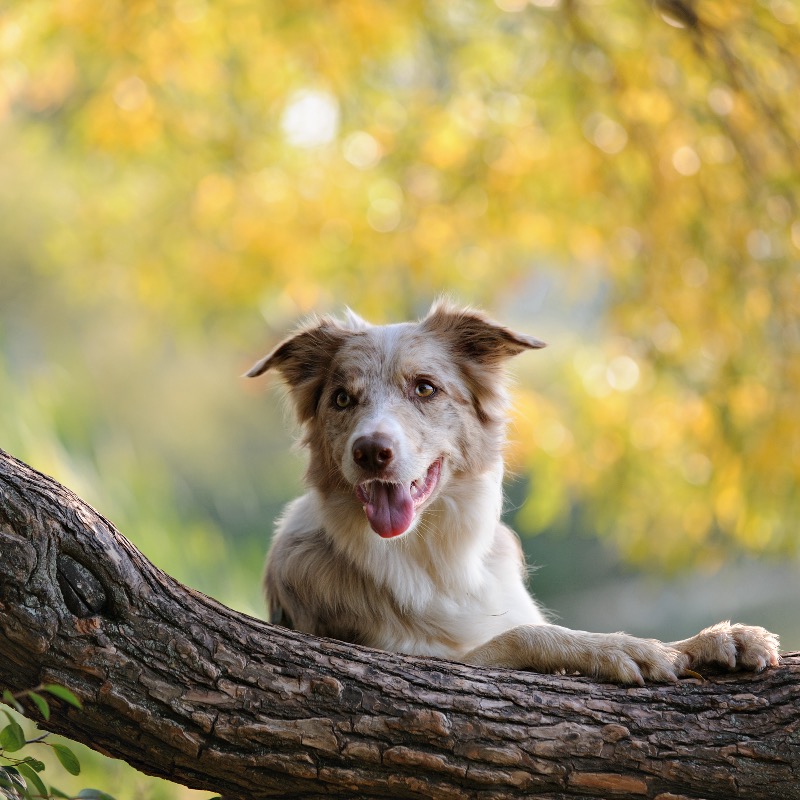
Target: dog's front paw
(620,658)
(732,646)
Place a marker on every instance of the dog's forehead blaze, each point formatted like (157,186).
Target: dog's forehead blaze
(389,354)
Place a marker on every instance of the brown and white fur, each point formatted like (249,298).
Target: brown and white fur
(398,543)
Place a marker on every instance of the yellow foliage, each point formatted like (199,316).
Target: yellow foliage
(213,159)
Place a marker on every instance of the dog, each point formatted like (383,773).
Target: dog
(398,544)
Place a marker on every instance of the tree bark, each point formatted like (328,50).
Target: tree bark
(182,687)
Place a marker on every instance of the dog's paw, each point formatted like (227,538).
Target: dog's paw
(733,646)
(620,658)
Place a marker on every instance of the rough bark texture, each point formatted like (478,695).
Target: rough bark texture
(182,687)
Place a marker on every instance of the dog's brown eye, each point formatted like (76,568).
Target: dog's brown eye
(424,389)
(342,399)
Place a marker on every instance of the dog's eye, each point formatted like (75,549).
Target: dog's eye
(424,389)
(342,400)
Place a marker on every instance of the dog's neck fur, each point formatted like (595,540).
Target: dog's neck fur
(447,551)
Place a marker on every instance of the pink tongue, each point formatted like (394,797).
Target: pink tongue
(390,509)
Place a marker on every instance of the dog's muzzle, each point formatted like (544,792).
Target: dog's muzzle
(390,506)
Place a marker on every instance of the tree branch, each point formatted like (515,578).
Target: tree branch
(179,686)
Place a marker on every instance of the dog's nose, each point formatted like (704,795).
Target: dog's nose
(373,453)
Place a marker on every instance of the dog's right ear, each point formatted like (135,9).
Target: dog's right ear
(303,361)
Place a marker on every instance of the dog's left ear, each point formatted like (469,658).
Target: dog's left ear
(474,337)
(303,361)
(479,346)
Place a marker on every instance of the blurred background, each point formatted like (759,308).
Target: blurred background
(181,181)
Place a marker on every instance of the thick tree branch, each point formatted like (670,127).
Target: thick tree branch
(182,687)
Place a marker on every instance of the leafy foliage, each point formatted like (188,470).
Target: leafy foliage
(20,776)
(212,157)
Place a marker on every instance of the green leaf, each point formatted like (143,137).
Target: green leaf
(93,794)
(58,793)
(67,758)
(40,703)
(12,737)
(12,701)
(34,763)
(62,693)
(33,780)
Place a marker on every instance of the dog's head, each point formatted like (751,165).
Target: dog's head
(391,413)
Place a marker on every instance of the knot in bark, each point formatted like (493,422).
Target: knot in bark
(83,593)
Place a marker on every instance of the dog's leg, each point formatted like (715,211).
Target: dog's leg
(615,657)
(731,646)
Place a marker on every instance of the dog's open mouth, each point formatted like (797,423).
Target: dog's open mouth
(390,507)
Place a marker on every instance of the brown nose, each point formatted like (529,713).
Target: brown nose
(373,453)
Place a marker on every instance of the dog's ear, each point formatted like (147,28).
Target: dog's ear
(479,347)
(303,361)
(472,336)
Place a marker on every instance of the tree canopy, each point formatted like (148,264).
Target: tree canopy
(635,163)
